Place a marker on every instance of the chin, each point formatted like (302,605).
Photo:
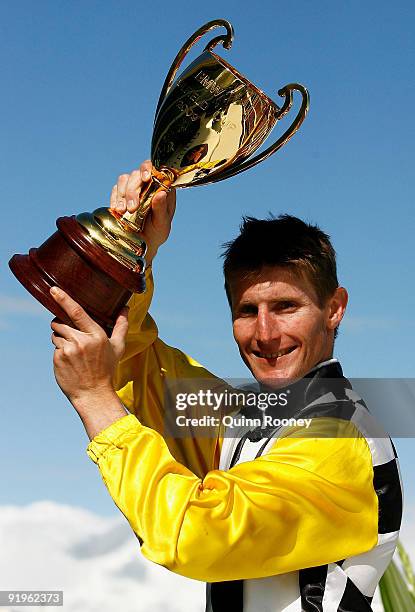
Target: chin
(276,378)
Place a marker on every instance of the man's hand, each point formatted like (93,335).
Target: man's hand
(84,363)
(125,197)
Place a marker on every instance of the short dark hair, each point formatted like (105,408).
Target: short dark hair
(284,241)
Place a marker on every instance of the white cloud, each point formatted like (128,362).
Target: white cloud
(95,560)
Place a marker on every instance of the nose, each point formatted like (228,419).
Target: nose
(266,329)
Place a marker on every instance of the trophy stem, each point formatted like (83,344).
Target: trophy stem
(119,234)
(161,180)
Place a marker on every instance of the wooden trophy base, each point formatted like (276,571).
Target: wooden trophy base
(70,260)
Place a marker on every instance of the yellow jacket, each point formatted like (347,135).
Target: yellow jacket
(309,501)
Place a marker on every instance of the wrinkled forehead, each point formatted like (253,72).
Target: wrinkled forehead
(272,282)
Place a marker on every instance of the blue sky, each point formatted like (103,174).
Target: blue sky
(80,83)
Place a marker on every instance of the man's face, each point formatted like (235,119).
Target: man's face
(281,330)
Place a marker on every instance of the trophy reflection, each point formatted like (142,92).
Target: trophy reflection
(208,123)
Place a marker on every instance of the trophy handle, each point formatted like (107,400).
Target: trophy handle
(286,91)
(225,39)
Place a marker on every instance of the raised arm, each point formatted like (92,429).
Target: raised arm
(138,362)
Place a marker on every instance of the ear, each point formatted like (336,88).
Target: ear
(336,307)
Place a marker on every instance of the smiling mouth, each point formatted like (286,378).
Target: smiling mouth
(280,353)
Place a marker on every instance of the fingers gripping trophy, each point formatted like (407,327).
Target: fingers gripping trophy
(208,123)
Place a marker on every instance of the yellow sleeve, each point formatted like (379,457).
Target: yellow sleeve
(307,502)
(140,382)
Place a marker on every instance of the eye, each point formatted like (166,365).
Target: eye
(286,305)
(246,310)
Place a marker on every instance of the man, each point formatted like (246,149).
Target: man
(296,517)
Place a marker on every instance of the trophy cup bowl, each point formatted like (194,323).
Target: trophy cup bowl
(208,123)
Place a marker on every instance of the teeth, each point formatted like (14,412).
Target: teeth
(274,355)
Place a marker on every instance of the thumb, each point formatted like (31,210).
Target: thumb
(119,333)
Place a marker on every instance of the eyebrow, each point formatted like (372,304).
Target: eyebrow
(285,298)
(247,304)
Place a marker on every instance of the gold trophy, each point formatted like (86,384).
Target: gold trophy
(208,123)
